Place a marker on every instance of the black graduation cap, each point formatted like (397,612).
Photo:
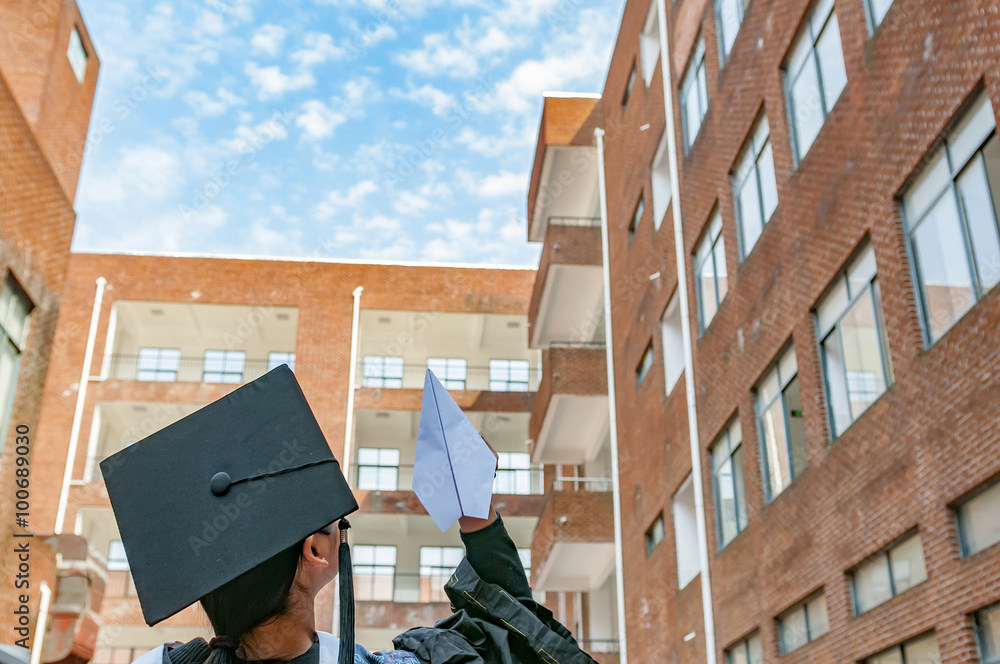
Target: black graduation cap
(217,493)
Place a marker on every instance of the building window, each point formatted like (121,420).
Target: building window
(378,469)
(645,364)
(747,651)
(951,221)
(640,207)
(15,310)
(659,175)
(513,474)
(628,88)
(437,564)
(988,624)
(158,364)
(649,43)
(922,650)
(450,371)
(509,375)
(686,533)
(779,424)
(888,574)
(223,366)
(374,572)
(673,343)
(730,487)
(729,16)
(655,534)
(815,75)
(382,371)
(275,360)
(710,271)
(805,622)
(77,55)
(754,186)
(117,655)
(978,522)
(525,556)
(849,323)
(877,10)
(117,561)
(694,95)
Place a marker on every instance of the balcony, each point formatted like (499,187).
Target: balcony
(567,303)
(212,367)
(569,419)
(508,481)
(573,548)
(604,651)
(565,172)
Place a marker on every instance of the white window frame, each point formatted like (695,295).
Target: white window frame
(753,166)
(985,496)
(889,564)
(750,651)
(232,365)
(160,370)
(862,270)
(686,542)
(276,358)
(993,612)
(728,448)
(649,43)
(382,372)
(369,560)
(963,148)
(695,81)
(673,343)
(804,53)
(659,176)
(383,461)
(713,240)
(451,371)
(505,375)
(514,474)
(116,562)
(903,651)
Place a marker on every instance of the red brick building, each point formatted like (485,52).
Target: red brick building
(807,412)
(171,334)
(48,74)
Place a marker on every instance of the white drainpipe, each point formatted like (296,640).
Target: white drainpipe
(682,289)
(81,397)
(612,407)
(41,624)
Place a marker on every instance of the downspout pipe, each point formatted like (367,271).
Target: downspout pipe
(612,405)
(81,398)
(682,289)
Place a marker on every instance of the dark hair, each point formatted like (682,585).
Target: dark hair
(249,600)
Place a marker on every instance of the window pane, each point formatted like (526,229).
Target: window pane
(922,651)
(777,461)
(748,208)
(878,9)
(720,268)
(738,654)
(989,633)
(807,107)
(862,354)
(819,623)
(831,63)
(692,112)
(891,656)
(796,428)
(907,562)
(871,584)
(756,652)
(741,490)
(978,520)
(729,22)
(943,266)
(768,185)
(706,287)
(793,631)
(981,218)
(727,502)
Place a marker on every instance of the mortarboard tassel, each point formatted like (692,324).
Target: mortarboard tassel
(346,597)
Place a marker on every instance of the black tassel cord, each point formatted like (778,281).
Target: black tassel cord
(346,597)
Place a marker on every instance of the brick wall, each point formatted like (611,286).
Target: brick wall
(931,437)
(568,370)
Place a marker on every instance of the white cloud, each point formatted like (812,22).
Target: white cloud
(337,201)
(503,184)
(146,171)
(319,48)
(272,82)
(268,39)
(319,120)
(438,57)
(206,104)
(439,101)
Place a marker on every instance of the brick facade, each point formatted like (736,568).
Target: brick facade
(927,441)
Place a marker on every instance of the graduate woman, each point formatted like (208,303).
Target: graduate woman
(240,507)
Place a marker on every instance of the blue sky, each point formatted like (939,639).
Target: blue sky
(363,129)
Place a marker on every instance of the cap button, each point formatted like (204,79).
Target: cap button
(220,484)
